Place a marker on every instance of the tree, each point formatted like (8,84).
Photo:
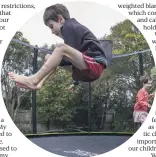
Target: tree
(127,38)
(123,76)
(16,59)
(54,102)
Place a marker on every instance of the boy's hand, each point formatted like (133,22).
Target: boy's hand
(149,105)
(152,94)
(70,88)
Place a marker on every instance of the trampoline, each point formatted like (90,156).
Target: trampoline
(77,145)
(81,144)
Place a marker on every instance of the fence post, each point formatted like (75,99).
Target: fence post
(89,107)
(34,128)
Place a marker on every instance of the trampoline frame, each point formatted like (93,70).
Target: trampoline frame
(35,50)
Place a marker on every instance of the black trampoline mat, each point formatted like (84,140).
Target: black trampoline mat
(77,146)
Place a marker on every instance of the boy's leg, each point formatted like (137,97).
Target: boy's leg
(39,85)
(63,50)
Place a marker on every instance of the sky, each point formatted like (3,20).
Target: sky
(98,18)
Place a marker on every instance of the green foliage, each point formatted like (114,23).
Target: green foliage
(54,101)
(153,71)
(153,75)
(17,59)
(117,88)
(127,38)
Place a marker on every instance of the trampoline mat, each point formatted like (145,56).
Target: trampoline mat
(76,146)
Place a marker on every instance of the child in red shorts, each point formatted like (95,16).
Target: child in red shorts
(81,50)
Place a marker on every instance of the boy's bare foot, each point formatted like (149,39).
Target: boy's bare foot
(38,87)
(21,86)
(23,80)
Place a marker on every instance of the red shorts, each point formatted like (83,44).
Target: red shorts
(92,73)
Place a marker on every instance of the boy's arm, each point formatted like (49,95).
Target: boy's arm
(149,105)
(73,35)
(151,95)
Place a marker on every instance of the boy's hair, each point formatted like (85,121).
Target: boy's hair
(52,12)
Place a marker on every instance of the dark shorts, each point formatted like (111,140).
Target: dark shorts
(93,71)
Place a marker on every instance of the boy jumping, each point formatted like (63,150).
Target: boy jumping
(81,49)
